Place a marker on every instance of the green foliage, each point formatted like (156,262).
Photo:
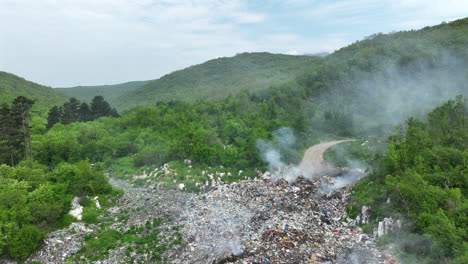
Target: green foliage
(425,174)
(54,116)
(71,111)
(24,241)
(147,239)
(34,201)
(218,78)
(210,133)
(97,245)
(90,215)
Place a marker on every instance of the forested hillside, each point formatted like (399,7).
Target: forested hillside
(378,82)
(12,86)
(110,92)
(218,78)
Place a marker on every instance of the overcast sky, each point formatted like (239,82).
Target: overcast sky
(63,43)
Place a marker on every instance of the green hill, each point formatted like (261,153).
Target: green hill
(110,92)
(12,86)
(218,78)
(385,78)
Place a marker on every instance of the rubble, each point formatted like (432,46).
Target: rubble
(61,244)
(273,222)
(251,221)
(364,216)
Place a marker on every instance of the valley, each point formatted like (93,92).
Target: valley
(356,156)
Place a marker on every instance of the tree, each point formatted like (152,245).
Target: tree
(8,134)
(85,112)
(20,112)
(114,113)
(99,107)
(71,111)
(54,117)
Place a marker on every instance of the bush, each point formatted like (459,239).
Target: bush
(66,220)
(25,242)
(90,215)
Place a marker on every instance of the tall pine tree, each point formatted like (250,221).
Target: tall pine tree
(71,111)
(21,115)
(85,113)
(55,116)
(99,107)
(10,138)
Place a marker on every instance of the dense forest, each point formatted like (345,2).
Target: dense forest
(363,90)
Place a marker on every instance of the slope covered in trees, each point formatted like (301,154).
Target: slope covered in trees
(385,78)
(423,179)
(218,78)
(110,92)
(12,86)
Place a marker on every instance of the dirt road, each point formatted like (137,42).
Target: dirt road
(313,161)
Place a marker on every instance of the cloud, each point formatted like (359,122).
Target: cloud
(248,18)
(293,52)
(61,42)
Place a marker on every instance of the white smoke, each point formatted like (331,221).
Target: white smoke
(283,139)
(270,155)
(348,178)
(272,152)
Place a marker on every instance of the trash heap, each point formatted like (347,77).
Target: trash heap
(259,221)
(61,244)
(251,221)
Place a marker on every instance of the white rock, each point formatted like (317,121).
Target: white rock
(98,205)
(77,209)
(365,214)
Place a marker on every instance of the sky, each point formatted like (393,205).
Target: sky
(63,43)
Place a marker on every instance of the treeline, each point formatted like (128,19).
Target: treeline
(425,176)
(211,133)
(74,111)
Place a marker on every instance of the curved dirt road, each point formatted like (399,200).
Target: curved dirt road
(313,162)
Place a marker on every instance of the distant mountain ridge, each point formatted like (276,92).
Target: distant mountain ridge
(110,92)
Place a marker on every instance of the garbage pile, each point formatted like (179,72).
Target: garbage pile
(61,244)
(251,221)
(259,221)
